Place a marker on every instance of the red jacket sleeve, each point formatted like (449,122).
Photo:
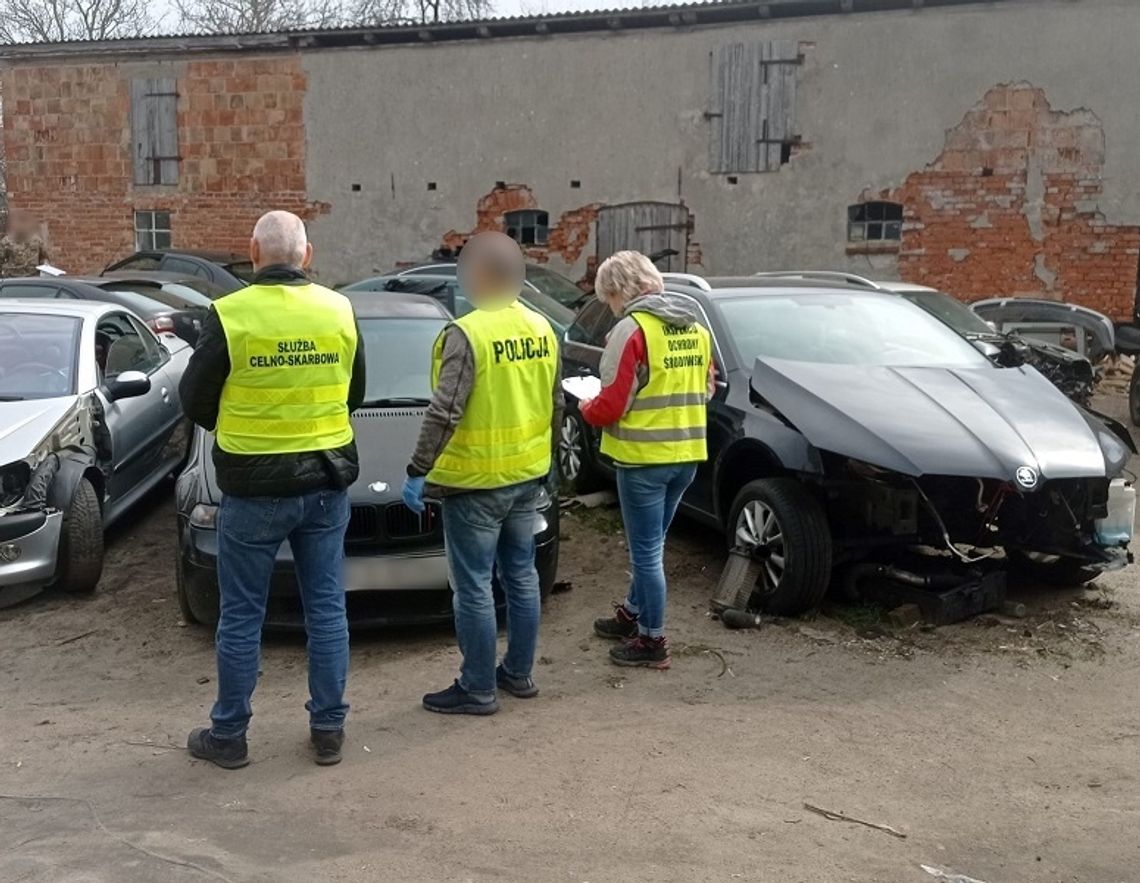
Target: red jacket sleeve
(614,400)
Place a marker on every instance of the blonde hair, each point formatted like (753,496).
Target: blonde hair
(626,275)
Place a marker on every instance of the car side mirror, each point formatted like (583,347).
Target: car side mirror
(128,385)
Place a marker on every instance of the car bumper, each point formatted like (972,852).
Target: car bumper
(29,544)
(395,588)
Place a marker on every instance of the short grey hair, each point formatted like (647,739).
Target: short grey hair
(282,238)
(626,275)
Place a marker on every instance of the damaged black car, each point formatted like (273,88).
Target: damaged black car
(855,434)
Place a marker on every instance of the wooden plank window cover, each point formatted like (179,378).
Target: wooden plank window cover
(753,102)
(154,130)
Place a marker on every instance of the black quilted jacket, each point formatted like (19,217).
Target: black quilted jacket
(263,475)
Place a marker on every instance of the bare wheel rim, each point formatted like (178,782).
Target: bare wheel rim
(570,449)
(757,525)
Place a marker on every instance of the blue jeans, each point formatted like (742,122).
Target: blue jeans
(480,529)
(250,531)
(649,498)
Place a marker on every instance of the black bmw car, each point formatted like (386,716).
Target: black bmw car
(851,425)
(395,569)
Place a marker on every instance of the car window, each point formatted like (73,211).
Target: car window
(953,312)
(28,289)
(836,328)
(39,355)
(123,344)
(592,325)
(139,262)
(398,355)
(554,285)
(173,294)
(242,269)
(172,264)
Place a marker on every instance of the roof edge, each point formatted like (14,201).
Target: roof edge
(678,16)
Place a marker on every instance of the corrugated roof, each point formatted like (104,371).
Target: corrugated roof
(673,15)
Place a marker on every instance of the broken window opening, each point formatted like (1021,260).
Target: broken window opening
(528,226)
(152,230)
(874,222)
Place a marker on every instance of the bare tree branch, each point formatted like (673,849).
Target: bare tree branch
(51,21)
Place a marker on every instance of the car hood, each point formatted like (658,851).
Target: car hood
(385,439)
(23,425)
(983,422)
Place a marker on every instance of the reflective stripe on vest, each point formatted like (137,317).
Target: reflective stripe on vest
(504,436)
(291,350)
(667,421)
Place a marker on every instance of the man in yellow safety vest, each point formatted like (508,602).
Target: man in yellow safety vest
(276,372)
(485,449)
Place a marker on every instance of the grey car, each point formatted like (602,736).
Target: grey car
(395,569)
(89,422)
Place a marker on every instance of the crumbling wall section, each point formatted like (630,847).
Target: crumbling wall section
(241,140)
(1010,207)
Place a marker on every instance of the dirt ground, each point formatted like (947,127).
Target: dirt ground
(1002,749)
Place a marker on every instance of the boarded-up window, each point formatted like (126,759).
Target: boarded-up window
(753,97)
(154,130)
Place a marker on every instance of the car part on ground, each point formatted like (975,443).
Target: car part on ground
(1090,333)
(972,458)
(88,397)
(395,566)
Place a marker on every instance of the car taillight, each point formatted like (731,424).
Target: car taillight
(160,324)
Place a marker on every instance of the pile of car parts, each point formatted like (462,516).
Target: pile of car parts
(943,597)
(737,582)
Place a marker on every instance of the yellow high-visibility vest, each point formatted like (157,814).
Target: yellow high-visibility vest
(291,350)
(504,437)
(667,421)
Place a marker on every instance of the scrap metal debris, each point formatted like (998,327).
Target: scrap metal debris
(832,816)
(948,876)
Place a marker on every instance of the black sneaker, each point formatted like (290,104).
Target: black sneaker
(642,650)
(622,624)
(523,688)
(327,745)
(456,700)
(229,754)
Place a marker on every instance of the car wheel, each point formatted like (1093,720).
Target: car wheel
(1052,570)
(1134,398)
(781,515)
(575,460)
(81,541)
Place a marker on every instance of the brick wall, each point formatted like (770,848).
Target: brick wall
(1010,207)
(67,131)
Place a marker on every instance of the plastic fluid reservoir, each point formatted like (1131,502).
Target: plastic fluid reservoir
(1115,529)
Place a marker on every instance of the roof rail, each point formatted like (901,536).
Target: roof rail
(822,275)
(689,279)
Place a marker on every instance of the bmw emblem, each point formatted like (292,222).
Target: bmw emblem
(1026,477)
(378,487)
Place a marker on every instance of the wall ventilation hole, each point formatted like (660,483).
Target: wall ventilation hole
(431,185)
(575,185)
(355,188)
(731,179)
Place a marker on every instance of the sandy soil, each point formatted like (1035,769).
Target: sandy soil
(1005,750)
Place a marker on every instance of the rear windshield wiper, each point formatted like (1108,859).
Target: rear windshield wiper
(396,402)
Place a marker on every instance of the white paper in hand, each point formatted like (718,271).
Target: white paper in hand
(583,387)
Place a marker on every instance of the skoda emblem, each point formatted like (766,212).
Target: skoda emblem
(1026,477)
(378,487)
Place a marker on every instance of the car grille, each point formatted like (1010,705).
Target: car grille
(401,523)
(395,523)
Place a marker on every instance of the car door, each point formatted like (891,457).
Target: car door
(140,428)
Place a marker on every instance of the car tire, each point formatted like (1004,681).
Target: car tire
(81,542)
(1134,398)
(576,465)
(781,510)
(1052,570)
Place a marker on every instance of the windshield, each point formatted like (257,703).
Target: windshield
(554,286)
(842,329)
(953,312)
(242,269)
(173,294)
(38,356)
(398,355)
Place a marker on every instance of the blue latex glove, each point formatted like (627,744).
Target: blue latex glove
(414,494)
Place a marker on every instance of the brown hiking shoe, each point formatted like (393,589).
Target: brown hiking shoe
(622,625)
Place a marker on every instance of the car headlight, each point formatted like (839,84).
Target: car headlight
(204,516)
(14,480)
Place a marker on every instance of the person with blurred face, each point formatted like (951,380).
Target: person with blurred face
(22,248)
(485,450)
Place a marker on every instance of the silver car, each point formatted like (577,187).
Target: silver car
(90,420)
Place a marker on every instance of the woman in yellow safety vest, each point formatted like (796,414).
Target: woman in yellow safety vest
(657,377)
